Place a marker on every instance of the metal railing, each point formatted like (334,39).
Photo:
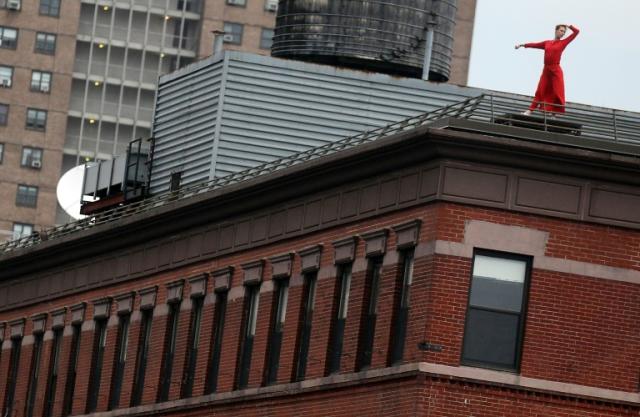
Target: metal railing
(159,39)
(601,124)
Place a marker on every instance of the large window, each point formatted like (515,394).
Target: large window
(8,37)
(233,33)
(495,315)
(192,352)
(33,374)
(340,308)
(250,318)
(401,308)
(141,359)
(4,115)
(50,7)
(369,313)
(216,349)
(304,331)
(6,76)
(31,157)
(27,196)
(277,328)
(45,43)
(40,81)
(36,119)
(120,361)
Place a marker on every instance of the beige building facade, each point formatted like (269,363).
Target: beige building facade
(78,81)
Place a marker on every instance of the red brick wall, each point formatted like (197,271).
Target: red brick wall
(579,330)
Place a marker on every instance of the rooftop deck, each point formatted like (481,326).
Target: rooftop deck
(491,114)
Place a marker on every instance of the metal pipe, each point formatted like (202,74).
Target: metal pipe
(218,39)
(428,48)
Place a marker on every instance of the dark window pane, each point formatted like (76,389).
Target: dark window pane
(491,338)
(497,294)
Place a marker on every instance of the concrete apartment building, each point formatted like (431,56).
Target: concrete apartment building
(78,80)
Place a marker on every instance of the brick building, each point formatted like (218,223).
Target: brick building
(451,268)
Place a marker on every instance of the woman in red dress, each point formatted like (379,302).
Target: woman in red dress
(550,91)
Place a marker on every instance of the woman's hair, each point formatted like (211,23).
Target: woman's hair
(562,25)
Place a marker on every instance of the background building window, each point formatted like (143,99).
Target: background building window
(52,380)
(4,114)
(216,350)
(141,359)
(277,329)
(401,308)
(369,313)
(495,316)
(339,318)
(233,33)
(241,3)
(169,351)
(266,38)
(12,376)
(27,196)
(304,331)
(6,76)
(36,119)
(99,344)
(50,7)
(34,374)
(22,230)
(120,360)
(8,37)
(45,43)
(192,350)
(31,157)
(40,81)
(250,319)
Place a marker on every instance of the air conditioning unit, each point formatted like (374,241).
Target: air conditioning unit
(228,38)
(271,6)
(236,2)
(13,4)
(36,163)
(5,82)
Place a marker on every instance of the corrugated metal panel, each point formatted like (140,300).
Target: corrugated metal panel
(271,108)
(185,124)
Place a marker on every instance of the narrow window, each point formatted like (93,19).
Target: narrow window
(216,350)
(401,308)
(192,353)
(52,381)
(169,351)
(141,359)
(495,315)
(120,361)
(12,377)
(304,331)
(250,318)
(1,150)
(45,43)
(33,375)
(277,328)
(340,308)
(369,313)
(99,343)
(174,181)
(72,373)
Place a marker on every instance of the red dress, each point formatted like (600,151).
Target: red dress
(551,85)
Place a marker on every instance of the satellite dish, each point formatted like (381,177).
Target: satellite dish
(69,191)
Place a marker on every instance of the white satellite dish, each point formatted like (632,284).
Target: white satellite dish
(69,191)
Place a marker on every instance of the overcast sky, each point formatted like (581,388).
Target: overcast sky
(601,66)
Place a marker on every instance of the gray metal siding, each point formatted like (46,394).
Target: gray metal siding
(273,108)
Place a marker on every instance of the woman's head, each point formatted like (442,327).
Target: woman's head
(560,31)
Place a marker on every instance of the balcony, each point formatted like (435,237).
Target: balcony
(159,40)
